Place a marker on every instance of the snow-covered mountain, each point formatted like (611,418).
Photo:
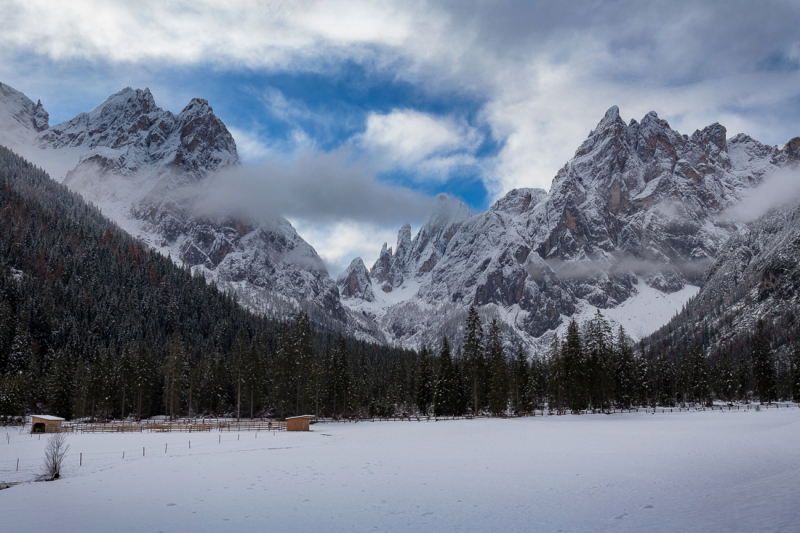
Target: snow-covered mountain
(630,224)
(756,276)
(142,166)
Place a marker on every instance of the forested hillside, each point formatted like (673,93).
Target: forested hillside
(92,322)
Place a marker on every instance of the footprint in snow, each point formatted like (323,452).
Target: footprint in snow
(621,516)
(647,507)
(171,505)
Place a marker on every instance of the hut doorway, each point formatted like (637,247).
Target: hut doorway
(39,427)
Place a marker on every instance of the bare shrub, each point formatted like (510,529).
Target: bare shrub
(54,453)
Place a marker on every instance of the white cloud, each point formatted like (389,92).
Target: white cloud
(340,242)
(406,138)
(545,71)
(249,145)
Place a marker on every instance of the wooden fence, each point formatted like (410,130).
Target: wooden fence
(229,425)
(182,426)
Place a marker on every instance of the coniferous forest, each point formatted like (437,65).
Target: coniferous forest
(95,324)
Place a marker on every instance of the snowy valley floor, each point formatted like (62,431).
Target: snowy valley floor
(707,471)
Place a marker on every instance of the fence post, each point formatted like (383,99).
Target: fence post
(81,463)
(17,464)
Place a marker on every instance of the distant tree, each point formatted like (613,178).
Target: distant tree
(474,361)
(446,391)
(574,363)
(174,371)
(625,372)
(599,362)
(763,365)
(521,388)
(697,367)
(60,382)
(425,384)
(794,373)
(557,374)
(498,393)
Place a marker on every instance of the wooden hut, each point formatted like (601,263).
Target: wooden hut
(43,423)
(299,423)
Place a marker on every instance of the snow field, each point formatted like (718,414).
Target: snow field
(706,471)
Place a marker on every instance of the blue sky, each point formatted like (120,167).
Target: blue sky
(409,99)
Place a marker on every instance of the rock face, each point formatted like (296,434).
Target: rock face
(129,133)
(355,282)
(141,165)
(21,120)
(638,203)
(414,258)
(756,276)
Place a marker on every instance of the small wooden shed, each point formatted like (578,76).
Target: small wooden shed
(43,423)
(299,423)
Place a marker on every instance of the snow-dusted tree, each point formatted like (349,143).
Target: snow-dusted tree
(424,381)
(520,383)
(474,360)
(557,378)
(574,361)
(763,365)
(599,362)
(174,371)
(725,378)
(699,390)
(446,390)
(240,366)
(625,371)
(60,381)
(794,373)
(495,354)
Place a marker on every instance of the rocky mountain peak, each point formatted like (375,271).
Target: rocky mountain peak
(792,149)
(610,119)
(414,258)
(355,282)
(715,134)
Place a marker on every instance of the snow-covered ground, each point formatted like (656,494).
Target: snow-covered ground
(708,471)
(640,315)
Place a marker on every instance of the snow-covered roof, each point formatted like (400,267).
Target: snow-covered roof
(47,417)
(301,416)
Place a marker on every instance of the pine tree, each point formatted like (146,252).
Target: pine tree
(625,372)
(474,362)
(341,378)
(498,393)
(60,382)
(125,372)
(424,381)
(599,362)
(699,389)
(726,378)
(446,390)
(174,375)
(557,374)
(240,367)
(574,361)
(521,389)
(763,365)
(794,373)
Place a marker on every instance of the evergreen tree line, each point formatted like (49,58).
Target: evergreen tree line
(593,367)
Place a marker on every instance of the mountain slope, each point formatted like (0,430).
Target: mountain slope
(143,167)
(634,214)
(756,276)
